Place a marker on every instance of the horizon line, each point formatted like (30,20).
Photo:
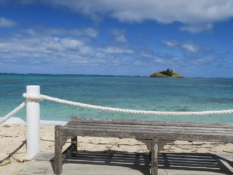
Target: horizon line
(103,75)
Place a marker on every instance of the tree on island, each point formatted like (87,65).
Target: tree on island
(167,72)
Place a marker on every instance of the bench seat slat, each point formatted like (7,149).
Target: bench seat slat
(142,127)
(196,130)
(150,123)
(165,130)
(187,136)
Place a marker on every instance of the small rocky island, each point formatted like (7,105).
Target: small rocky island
(167,74)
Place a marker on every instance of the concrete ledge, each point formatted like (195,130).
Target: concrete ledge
(115,163)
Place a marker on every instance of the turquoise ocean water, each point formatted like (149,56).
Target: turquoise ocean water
(141,93)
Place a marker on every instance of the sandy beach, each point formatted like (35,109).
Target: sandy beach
(12,142)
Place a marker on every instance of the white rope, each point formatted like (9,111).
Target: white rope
(41,97)
(9,115)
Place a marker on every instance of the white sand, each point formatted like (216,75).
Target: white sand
(12,136)
(17,120)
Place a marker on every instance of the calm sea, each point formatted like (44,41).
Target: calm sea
(141,93)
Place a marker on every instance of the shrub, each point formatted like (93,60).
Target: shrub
(167,72)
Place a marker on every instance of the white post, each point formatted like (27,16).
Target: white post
(33,122)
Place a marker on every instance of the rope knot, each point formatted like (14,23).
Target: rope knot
(33,97)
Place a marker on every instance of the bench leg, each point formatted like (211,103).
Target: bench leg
(150,156)
(154,156)
(74,142)
(58,152)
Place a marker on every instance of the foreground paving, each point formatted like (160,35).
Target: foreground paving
(118,163)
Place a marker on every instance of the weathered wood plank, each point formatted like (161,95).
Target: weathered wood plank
(58,151)
(147,143)
(165,129)
(68,150)
(154,156)
(132,127)
(161,143)
(173,124)
(63,139)
(65,129)
(155,128)
(74,143)
(153,123)
(211,137)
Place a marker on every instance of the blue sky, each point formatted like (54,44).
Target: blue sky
(117,37)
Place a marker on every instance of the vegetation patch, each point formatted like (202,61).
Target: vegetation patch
(167,74)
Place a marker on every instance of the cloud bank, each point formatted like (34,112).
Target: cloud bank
(196,16)
(7,23)
(39,50)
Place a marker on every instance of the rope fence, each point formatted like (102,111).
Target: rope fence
(42,97)
(34,97)
(9,115)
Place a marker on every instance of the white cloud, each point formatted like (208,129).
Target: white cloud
(190,48)
(143,54)
(19,50)
(91,32)
(30,32)
(201,61)
(7,23)
(121,38)
(169,43)
(117,32)
(177,62)
(115,50)
(196,15)
(61,31)
(197,28)
(159,60)
(44,48)
(3,2)
(69,43)
(86,50)
(87,31)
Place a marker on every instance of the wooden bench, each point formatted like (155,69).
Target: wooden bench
(155,134)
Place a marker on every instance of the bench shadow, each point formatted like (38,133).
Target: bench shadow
(205,162)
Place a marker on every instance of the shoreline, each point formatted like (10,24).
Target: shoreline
(14,135)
